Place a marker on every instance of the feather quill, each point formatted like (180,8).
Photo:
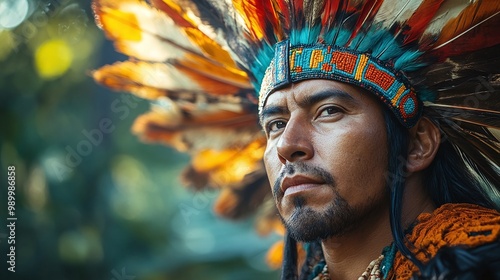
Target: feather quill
(472,155)
(416,24)
(485,118)
(391,12)
(472,16)
(449,10)
(470,39)
(480,99)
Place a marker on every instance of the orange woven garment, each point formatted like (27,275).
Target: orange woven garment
(450,225)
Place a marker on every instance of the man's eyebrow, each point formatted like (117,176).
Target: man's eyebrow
(319,96)
(271,110)
(307,101)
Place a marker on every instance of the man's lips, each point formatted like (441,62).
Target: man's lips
(298,183)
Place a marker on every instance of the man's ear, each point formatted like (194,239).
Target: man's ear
(425,139)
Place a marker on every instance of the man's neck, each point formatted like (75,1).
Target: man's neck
(348,256)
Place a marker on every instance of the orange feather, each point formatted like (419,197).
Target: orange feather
(174,11)
(480,13)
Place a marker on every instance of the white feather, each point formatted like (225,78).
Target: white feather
(449,10)
(395,11)
(164,76)
(197,139)
(155,25)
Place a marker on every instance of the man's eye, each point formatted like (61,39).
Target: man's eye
(329,111)
(275,125)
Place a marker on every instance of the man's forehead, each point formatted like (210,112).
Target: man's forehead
(314,88)
(276,97)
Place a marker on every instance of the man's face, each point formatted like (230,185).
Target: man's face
(326,157)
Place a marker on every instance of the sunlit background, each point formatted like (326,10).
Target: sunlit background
(92,202)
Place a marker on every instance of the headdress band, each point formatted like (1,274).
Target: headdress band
(303,62)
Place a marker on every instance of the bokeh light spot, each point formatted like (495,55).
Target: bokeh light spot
(8,43)
(36,189)
(13,13)
(53,58)
(199,241)
(79,246)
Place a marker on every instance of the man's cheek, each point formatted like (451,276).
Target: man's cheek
(272,167)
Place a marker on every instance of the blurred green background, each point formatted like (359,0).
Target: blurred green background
(92,202)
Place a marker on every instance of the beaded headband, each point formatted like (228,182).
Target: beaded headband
(202,63)
(303,62)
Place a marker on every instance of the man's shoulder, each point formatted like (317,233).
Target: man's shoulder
(456,241)
(464,242)
(465,225)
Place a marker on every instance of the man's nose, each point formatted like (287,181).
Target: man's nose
(295,144)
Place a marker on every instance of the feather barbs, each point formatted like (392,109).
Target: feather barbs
(202,62)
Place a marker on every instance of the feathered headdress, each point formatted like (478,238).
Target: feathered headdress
(205,64)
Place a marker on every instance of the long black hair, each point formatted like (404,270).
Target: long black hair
(448,179)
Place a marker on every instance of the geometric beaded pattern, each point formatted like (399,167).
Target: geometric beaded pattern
(297,63)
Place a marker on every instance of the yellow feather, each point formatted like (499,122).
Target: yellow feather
(210,47)
(141,31)
(228,75)
(250,15)
(144,79)
(112,21)
(231,163)
(274,256)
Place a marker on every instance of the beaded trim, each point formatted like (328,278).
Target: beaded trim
(372,272)
(297,63)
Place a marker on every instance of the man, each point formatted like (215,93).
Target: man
(379,118)
(327,155)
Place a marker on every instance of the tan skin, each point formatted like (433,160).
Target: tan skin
(340,128)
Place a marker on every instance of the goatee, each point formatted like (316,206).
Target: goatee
(307,224)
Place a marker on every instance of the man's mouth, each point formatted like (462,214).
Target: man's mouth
(298,183)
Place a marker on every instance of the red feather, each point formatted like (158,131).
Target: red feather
(481,36)
(283,12)
(420,19)
(260,18)
(297,8)
(271,20)
(331,9)
(369,10)
(466,31)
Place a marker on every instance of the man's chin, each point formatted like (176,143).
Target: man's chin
(307,225)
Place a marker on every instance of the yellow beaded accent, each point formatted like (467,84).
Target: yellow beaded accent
(363,60)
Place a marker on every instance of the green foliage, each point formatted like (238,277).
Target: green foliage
(92,202)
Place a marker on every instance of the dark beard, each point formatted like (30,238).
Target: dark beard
(306,224)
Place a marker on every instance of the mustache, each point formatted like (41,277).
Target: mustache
(302,168)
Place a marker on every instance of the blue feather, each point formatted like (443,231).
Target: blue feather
(408,61)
